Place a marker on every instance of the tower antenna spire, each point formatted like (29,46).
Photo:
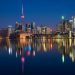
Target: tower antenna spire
(22,16)
(22,8)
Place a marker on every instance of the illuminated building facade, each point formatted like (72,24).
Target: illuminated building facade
(73,24)
(33,28)
(10,30)
(43,30)
(38,30)
(6,32)
(65,26)
(18,27)
(28,28)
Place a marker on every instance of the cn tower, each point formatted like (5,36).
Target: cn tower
(22,15)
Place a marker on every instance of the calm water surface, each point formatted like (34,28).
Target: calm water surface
(37,56)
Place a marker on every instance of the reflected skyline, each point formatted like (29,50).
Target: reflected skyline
(30,47)
(24,49)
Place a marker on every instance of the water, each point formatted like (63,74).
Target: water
(37,56)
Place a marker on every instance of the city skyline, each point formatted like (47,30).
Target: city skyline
(37,37)
(47,12)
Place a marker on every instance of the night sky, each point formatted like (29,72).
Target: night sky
(47,12)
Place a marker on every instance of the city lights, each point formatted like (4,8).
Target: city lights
(34,42)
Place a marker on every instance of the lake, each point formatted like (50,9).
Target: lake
(37,56)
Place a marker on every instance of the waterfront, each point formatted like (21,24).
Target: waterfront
(37,56)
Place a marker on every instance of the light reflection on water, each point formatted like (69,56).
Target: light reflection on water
(31,47)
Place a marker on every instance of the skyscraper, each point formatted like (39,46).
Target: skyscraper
(22,16)
(73,25)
